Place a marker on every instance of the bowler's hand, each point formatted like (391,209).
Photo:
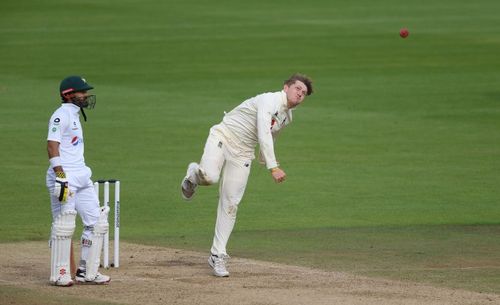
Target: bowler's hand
(61,189)
(278,174)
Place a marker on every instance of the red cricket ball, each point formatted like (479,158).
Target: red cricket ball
(404,33)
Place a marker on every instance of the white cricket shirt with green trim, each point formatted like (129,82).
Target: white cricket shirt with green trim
(65,128)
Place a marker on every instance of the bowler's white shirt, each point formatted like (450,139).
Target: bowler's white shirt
(65,128)
(257,120)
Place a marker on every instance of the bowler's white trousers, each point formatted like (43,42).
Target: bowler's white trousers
(225,154)
(82,198)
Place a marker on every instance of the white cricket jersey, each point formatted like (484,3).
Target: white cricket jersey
(257,120)
(65,128)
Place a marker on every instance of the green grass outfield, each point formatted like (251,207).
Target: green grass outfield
(393,163)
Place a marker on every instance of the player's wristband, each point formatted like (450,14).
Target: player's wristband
(55,161)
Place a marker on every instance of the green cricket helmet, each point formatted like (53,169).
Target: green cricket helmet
(74,84)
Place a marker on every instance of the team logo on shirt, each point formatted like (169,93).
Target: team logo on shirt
(274,119)
(75,140)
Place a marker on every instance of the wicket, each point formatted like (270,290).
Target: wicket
(116,231)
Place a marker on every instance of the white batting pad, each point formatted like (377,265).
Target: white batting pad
(62,231)
(94,256)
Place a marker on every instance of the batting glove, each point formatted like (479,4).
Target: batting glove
(61,189)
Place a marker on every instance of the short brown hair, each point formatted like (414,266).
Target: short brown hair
(303,78)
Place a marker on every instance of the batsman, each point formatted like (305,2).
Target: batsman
(229,150)
(71,190)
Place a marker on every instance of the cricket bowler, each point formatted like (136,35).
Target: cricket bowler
(230,149)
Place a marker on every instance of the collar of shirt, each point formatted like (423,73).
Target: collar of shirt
(284,105)
(284,101)
(72,107)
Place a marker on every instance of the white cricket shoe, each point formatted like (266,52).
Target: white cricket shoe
(64,281)
(218,265)
(187,186)
(100,279)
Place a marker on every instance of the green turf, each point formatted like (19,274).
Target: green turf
(454,256)
(400,144)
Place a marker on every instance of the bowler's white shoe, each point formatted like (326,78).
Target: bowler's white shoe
(218,264)
(64,281)
(187,186)
(100,279)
